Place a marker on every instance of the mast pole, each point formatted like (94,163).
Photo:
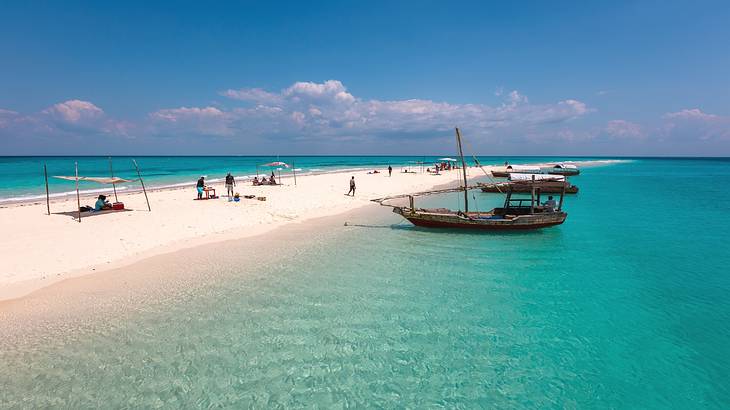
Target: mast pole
(142,182)
(48,199)
(111,172)
(463,169)
(78,198)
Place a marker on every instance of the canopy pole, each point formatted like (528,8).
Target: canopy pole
(294,170)
(532,196)
(463,168)
(78,198)
(257,171)
(562,195)
(142,182)
(111,172)
(48,199)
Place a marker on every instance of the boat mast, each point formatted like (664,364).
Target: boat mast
(463,169)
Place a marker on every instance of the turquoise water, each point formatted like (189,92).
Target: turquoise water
(22,177)
(624,306)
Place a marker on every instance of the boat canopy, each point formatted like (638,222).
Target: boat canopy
(523,168)
(100,180)
(565,166)
(537,177)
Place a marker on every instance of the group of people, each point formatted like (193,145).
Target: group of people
(264,181)
(444,166)
(231,183)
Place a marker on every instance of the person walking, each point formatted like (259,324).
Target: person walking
(390,171)
(230,183)
(352,186)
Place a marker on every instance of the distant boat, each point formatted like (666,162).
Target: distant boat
(516,213)
(563,169)
(515,169)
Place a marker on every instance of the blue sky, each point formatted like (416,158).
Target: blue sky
(527,78)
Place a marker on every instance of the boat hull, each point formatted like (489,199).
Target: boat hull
(523,188)
(456,221)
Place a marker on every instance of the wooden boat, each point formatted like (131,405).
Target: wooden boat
(515,214)
(545,187)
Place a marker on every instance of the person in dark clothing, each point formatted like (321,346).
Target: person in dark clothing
(230,183)
(352,186)
(201,186)
(390,171)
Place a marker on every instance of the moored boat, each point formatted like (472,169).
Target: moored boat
(563,169)
(545,186)
(515,214)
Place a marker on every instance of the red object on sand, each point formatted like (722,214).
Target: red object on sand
(118,206)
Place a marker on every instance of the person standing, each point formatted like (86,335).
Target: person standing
(352,186)
(390,171)
(230,183)
(201,186)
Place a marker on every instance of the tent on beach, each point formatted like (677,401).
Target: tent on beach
(99,180)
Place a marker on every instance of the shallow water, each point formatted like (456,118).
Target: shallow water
(623,306)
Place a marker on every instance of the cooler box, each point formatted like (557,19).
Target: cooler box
(118,206)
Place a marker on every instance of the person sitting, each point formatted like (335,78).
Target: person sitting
(272,181)
(101,204)
(256,181)
(550,204)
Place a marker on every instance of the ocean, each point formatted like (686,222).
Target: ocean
(23,178)
(624,306)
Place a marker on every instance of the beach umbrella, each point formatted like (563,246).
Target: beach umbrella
(278,165)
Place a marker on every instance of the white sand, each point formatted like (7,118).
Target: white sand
(39,250)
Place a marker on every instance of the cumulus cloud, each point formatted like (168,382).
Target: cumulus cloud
(695,124)
(74,111)
(328,109)
(68,118)
(205,120)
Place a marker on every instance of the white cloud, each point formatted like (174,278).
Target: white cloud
(183,113)
(75,111)
(691,114)
(695,124)
(328,109)
(7,116)
(624,129)
(192,120)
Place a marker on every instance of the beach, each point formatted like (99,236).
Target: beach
(43,249)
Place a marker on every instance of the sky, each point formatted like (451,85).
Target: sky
(621,78)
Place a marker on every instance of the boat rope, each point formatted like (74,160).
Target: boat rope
(476,161)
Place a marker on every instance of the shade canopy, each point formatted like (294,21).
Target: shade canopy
(100,180)
(277,164)
(447,159)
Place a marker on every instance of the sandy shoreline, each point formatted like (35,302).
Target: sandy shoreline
(42,250)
